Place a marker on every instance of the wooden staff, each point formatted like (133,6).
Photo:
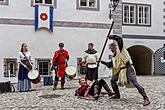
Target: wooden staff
(105,43)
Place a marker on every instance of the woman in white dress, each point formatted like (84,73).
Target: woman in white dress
(24,84)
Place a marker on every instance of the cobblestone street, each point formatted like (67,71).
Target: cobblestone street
(44,98)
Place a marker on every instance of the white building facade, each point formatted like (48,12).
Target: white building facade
(143,30)
(76,23)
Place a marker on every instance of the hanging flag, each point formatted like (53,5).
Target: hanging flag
(44,17)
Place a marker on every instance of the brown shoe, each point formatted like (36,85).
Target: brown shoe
(146,101)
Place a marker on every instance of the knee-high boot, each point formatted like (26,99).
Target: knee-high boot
(116,90)
(106,87)
(55,85)
(146,99)
(96,92)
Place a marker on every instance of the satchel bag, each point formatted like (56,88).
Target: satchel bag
(48,80)
(6,87)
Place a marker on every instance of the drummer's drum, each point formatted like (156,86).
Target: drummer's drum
(70,72)
(34,76)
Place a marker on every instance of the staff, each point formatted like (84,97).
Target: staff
(105,43)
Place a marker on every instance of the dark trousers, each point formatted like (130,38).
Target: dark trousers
(97,84)
(92,74)
(57,78)
(131,76)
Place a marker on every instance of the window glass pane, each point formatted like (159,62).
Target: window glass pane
(92,3)
(38,1)
(45,64)
(48,1)
(45,70)
(140,14)
(83,2)
(131,8)
(126,8)
(11,67)
(45,73)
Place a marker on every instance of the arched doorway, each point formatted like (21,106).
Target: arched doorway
(142,59)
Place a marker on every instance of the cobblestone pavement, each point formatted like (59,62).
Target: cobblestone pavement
(44,98)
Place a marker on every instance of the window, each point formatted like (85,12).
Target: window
(44,2)
(43,66)
(92,5)
(88,3)
(163,30)
(136,14)
(129,12)
(144,15)
(10,67)
(4,2)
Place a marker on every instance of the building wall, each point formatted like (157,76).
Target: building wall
(64,11)
(42,44)
(156,28)
(76,28)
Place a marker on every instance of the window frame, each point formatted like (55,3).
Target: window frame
(4,2)
(130,14)
(87,8)
(144,5)
(54,3)
(38,60)
(136,15)
(7,62)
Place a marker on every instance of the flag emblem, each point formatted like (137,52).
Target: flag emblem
(44,17)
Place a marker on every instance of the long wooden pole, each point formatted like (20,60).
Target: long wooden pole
(105,43)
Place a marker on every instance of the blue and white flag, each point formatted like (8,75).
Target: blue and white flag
(44,17)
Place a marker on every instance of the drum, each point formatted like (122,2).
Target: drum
(70,72)
(34,76)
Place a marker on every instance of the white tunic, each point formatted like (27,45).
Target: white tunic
(20,56)
(91,60)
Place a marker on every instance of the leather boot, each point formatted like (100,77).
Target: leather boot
(146,99)
(55,85)
(96,92)
(116,96)
(106,87)
(116,90)
(62,84)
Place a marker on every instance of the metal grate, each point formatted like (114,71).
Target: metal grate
(159,68)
